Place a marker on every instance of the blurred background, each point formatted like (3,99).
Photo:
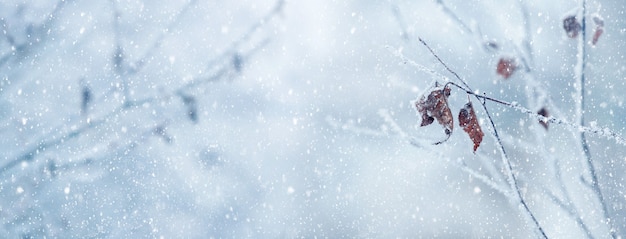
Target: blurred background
(290,119)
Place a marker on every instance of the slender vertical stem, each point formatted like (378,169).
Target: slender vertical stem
(516,194)
(580,75)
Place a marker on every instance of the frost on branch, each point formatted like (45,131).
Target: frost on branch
(571,26)
(469,123)
(506,67)
(435,106)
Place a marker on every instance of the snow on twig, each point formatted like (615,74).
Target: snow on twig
(600,131)
(579,74)
(405,60)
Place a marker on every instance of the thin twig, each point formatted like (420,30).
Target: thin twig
(484,178)
(475,31)
(600,131)
(570,211)
(453,16)
(580,82)
(139,64)
(573,213)
(396,13)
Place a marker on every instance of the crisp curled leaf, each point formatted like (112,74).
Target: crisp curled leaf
(506,67)
(469,123)
(544,112)
(435,106)
(571,26)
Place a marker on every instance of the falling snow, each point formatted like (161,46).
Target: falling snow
(295,119)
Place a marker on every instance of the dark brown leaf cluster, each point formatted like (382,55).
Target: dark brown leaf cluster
(434,106)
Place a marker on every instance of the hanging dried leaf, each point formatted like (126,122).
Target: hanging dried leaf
(543,112)
(435,106)
(506,67)
(469,123)
(598,30)
(571,26)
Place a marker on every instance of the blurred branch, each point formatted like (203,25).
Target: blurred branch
(232,49)
(54,141)
(35,31)
(403,27)
(482,41)
(124,68)
(384,113)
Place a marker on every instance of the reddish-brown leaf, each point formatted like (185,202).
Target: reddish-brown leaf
(435,106)
(543,112)
(506,67)
(599,29)
(469,123)
(571,26)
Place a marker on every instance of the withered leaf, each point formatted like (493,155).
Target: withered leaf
(435,106)
(599,29)
(506,67)
(571,26)
(544,112)
(469,123)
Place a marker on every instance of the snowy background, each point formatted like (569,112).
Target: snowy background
(265,119)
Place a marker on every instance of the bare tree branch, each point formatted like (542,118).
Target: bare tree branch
(517,194)
(580,108)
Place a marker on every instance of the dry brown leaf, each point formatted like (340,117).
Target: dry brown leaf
(506,67)
(597,20)
(435,106)
(469,123)
(571,26)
